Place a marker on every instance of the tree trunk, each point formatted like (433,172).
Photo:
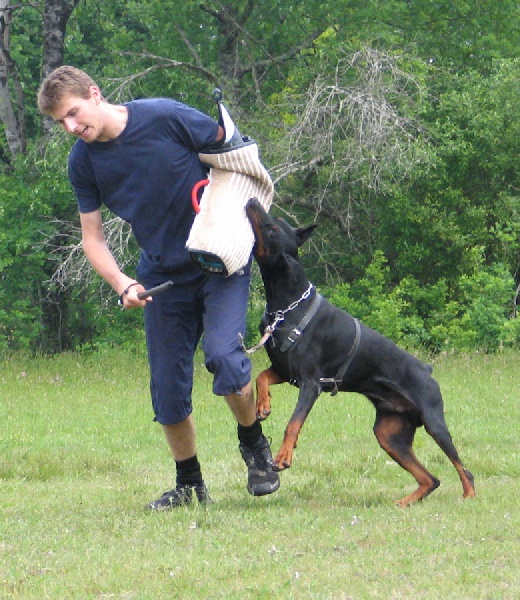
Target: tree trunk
(230,23)
(13,126)
(55,19)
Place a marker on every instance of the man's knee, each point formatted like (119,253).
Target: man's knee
(231,372)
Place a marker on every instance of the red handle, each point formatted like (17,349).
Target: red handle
(195,192)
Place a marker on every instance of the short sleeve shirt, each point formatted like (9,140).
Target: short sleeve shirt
(145,175)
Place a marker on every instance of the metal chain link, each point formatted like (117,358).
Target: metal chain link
(279,315)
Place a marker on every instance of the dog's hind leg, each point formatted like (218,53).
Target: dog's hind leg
(263,395)
(432,417)
(395,434)
(438,429)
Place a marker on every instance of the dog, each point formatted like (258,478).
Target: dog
(318,347)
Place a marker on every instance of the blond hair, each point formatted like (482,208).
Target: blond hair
(63,81)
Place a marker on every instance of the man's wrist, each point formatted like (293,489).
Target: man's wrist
(121,301)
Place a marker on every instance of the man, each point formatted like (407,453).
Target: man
(140,159)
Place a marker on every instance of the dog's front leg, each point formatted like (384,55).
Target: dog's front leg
(263,395)
(309,392)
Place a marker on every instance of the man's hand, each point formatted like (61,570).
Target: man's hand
(135,294)
(130,296)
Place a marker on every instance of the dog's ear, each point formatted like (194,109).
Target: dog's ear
(303,233)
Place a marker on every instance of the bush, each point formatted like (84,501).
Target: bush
(475,315)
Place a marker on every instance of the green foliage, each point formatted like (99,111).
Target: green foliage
(113,327)
(21,266)
(392,312)
(486,303)
(411,256)
(474,315)
(35,199)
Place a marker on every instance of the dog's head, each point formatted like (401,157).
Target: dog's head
(275,239)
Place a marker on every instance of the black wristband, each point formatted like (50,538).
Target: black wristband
(121,302)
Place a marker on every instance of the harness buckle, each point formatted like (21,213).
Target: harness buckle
(331,381)
(295,335)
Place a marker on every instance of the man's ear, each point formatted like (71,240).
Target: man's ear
(303,233)
(95,93)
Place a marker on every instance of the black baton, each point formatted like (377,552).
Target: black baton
(155,290)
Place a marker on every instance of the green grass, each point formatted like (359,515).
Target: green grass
(80,456)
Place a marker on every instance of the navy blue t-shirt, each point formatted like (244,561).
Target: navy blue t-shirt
(145,176)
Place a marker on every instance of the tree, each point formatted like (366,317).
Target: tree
(392,124)
(56,14)
(55,18)
(13,122)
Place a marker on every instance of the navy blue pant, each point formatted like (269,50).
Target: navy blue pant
(213,308)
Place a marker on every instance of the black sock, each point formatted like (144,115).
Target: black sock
(188,471)
(247,436)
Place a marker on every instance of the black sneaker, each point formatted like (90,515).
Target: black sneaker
(261,479)
(180,496)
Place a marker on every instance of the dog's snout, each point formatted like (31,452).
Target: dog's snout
(255,209)
(253,202)
(255,212)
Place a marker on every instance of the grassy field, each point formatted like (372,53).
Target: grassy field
(80,456)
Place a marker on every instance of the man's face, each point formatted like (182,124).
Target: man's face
(81,117)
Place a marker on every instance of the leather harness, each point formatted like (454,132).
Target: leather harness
(295,333)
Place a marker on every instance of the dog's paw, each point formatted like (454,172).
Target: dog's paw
(262,415)
(281,465)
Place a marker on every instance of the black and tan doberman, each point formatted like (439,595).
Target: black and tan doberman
(318,347)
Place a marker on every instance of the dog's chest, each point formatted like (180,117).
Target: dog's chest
(287,327)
